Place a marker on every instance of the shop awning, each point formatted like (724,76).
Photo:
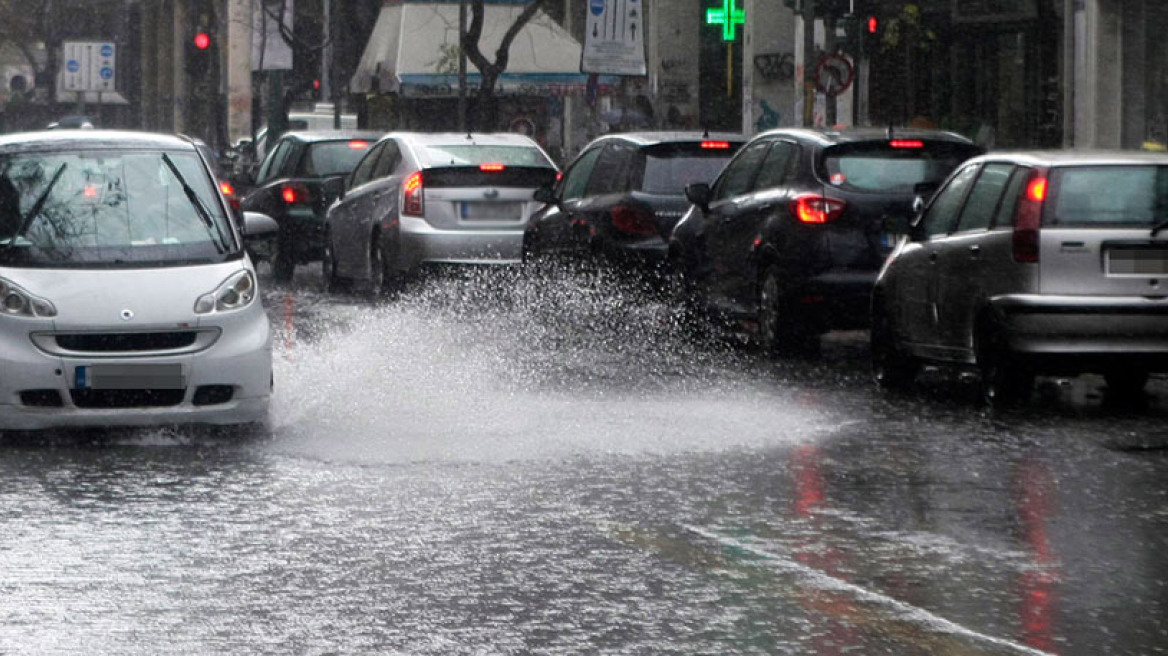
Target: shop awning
(413,51)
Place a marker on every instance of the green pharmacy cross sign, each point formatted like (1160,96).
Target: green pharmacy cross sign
(728,16)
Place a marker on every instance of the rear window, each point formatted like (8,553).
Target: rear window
(1107,195)
(473,155)
(327,158)
(668,169)
(894,166)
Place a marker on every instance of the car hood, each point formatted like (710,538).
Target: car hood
(127,299)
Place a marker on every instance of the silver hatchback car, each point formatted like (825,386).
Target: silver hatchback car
(418,199)
(1032,263)
(126,297)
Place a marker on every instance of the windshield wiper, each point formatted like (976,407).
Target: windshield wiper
(1159,226)
(213,228)
(36,208)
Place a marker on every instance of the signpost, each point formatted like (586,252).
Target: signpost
(614,38)
(90,66)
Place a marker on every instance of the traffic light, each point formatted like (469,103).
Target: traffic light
(871,34)
(200,53)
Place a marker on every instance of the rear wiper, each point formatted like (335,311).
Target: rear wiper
(212,227)
(36,208)
(1159,226)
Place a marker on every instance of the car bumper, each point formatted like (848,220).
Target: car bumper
(1084,325)
(422,243)
(41,390)
(844,297)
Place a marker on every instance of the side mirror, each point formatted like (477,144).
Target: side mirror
(257,225)
(698,193)
(333,187)
(546,195)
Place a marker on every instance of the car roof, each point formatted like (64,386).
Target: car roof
(465,138)
(333,135)
(55,139)
(653,138)
(829,137)
(1075,157)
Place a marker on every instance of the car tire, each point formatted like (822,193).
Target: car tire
(778,331)
(892,368)
(328,267)
(283,262)
(1005,381)
(1126,381)
(384,278)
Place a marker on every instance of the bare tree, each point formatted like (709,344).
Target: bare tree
(492,70)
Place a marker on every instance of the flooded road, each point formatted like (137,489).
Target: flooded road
(499,465)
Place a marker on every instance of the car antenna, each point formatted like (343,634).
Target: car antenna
(890,132)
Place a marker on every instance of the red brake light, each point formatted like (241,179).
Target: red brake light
(906,143)
(633,220)
(1036,189)
(295,194)
(412,201)
(358,144)
(491,167)
(559,176)
(90,191)
(716,145)
(1028,218)
(226,189)
(817,209)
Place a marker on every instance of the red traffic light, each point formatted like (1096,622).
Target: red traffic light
(202,40)
(873,24)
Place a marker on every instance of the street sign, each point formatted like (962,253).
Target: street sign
(833,75)
(89,66)
(614,38)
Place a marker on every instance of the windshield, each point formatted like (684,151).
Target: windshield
(473,155)
(668,171)
(881,167)
(1136,195)
(333,157)
(109,208)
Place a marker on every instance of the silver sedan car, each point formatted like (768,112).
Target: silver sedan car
(1033,263)
(418,199)
(126,297)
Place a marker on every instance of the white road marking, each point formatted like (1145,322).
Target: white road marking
(827,582)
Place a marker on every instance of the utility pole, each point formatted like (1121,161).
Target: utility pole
(808,63)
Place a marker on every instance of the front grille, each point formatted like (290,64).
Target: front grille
(122,342)
(134,398)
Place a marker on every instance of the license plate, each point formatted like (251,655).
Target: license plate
(492,211)
(130,376)
(1137,261)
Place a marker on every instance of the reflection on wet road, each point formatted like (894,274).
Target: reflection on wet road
(497,465)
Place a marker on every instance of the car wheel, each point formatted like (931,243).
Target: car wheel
(384,278)
(892,368)
(328,267)
(283,264)
(778,331)
(1126,381)
(1004,380)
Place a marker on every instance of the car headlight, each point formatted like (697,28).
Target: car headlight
(235,293)
(17,302)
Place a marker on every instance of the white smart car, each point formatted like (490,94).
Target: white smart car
(126,297)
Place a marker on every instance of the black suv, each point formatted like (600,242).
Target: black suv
(787,241)
(621,196)
(289,187)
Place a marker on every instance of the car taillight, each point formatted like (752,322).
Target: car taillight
(906,143)
(633,220)
(491,167)
(816,209)
(412,190)
(229,194)
(1028,218)
(295,194)
(716,145)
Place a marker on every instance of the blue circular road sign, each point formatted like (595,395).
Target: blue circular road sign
(106,73)
(107,50)
(597,7)
(72,65)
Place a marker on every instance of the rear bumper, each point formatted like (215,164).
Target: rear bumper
(843,297)
(422,243)
(1096,332)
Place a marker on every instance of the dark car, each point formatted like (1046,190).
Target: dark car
(290,188)
(787,242)
(1029,263)
(621,196)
